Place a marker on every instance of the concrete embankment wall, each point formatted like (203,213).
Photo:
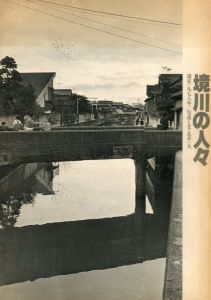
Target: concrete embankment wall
(173,273)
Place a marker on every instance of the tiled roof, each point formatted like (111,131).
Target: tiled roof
(37,80)
(150,98)
(169,78)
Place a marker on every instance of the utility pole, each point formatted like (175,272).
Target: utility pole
(92,104)
(77,109)
(59,81)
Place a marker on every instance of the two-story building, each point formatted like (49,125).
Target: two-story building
(170,96)
(176,96)
(152,116)
(42,84)
(165,101)
(63,103)
(57,102)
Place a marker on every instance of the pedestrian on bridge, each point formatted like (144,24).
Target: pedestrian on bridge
(137,120)
(17,124)
(30,124)
(4,126)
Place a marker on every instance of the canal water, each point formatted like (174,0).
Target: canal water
(72,230)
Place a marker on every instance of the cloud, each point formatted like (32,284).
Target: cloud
(96,72)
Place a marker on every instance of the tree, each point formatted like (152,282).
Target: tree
(14,97)
(83,104)
(9,83)
(6,103)
(8,63)
(25,101)
(9,76)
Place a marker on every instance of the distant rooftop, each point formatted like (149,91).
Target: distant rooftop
(63,92)
(38,80)
(169,78)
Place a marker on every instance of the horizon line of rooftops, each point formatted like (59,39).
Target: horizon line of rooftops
(39,79)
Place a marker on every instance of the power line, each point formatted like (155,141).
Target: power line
(94,28)
(112,26)
(112,14)
(123,19)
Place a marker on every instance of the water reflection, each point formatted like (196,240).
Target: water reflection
(75,191)
(10,208)
(20,188)
(69,218)
(38,251)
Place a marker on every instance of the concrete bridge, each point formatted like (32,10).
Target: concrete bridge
(85,143)
(103,143)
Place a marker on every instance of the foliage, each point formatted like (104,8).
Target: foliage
(8,63)
(6,102)
(25,102)
(9,76)
(83,103)
(14,97)
(10,209)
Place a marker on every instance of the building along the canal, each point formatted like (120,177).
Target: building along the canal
(152,116)
(177,98)
(165,102)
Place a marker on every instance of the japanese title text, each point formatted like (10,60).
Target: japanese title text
(201,119)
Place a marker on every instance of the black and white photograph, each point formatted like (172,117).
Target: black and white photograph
(91,123)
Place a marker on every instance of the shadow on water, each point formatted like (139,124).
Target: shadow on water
(43,251)
(48,250)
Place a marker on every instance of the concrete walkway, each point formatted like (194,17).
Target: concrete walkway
(173,274)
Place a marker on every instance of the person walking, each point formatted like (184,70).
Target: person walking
(137,120)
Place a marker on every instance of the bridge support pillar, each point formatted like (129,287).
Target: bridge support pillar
(140,167)
(163,184)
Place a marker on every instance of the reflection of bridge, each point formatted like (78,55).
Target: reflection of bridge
(95,143)
(41,251)
(38,251)
(34,178)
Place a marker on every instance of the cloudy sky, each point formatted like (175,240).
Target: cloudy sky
(89,61)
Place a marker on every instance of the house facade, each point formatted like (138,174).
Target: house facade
(171,91)
(62,98)
(63,103)
(152,116)
(178,113)
(164,102)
